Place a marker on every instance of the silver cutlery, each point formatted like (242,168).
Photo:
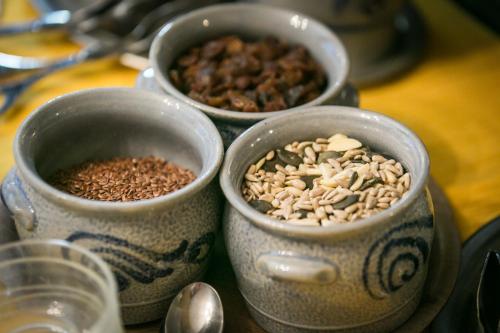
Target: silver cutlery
(196,309)
(60,19)
(137,41)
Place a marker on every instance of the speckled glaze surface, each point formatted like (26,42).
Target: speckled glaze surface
(251,21)
(155,246)
(365,276)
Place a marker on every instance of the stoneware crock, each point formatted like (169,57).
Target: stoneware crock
(250,21)
(156,246)
(365,276)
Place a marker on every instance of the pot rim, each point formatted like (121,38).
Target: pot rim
(71,201)
(263,221)
(330,92)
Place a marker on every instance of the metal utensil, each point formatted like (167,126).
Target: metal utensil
(12,91)
(117,21)
(137,41)
(196,309)
(60,19)
(118,17)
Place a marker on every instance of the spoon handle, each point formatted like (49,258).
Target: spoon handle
(60,19)
(12,91)
(54,20)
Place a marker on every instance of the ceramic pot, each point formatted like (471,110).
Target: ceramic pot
(250,21)
(156,246)
(364,276)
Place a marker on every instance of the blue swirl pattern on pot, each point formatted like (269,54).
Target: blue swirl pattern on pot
(55,137)
(141,264)
(394,267)
(301,290)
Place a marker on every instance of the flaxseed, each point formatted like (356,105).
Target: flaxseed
(123,179)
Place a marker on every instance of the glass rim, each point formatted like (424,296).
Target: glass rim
(110,289)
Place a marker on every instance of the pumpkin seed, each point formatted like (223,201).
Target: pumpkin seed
(261,205)
(289,158)
(349,200)
(270,165)
(324,156)
(351,184)
(343,143)
(370,183)
(354,177)
(303,213)
(309,180)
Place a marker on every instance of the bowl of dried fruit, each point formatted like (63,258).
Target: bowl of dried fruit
(329,224)
(128,174)
(242,63)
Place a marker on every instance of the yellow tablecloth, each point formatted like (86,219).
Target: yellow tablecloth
(451,100)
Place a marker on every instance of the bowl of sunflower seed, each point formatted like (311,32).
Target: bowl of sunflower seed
(328,207)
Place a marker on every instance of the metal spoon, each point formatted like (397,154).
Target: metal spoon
(60,19)
(196,309)
(137,41)
(118,17)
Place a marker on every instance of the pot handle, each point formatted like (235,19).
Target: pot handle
(17,202)
(348,96)
(296,268)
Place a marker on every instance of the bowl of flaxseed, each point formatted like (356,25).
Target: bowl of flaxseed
(328,213)
(129,174)
(240,63)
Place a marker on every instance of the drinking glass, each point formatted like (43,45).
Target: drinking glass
(55,286)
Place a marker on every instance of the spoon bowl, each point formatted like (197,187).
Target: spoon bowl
(196,309)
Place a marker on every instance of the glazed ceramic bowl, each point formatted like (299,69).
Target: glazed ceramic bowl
(250,21)
(364,276)
(154,246)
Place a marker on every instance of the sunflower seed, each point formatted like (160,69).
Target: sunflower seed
(260,163)
(351,209)
(378,158)
(270,155)
(357,184)
(351,184)
(304,144)
(304,222)
(297,183)
(390,176)
(383,205)
(393,201)
(371,201)
(251,177)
